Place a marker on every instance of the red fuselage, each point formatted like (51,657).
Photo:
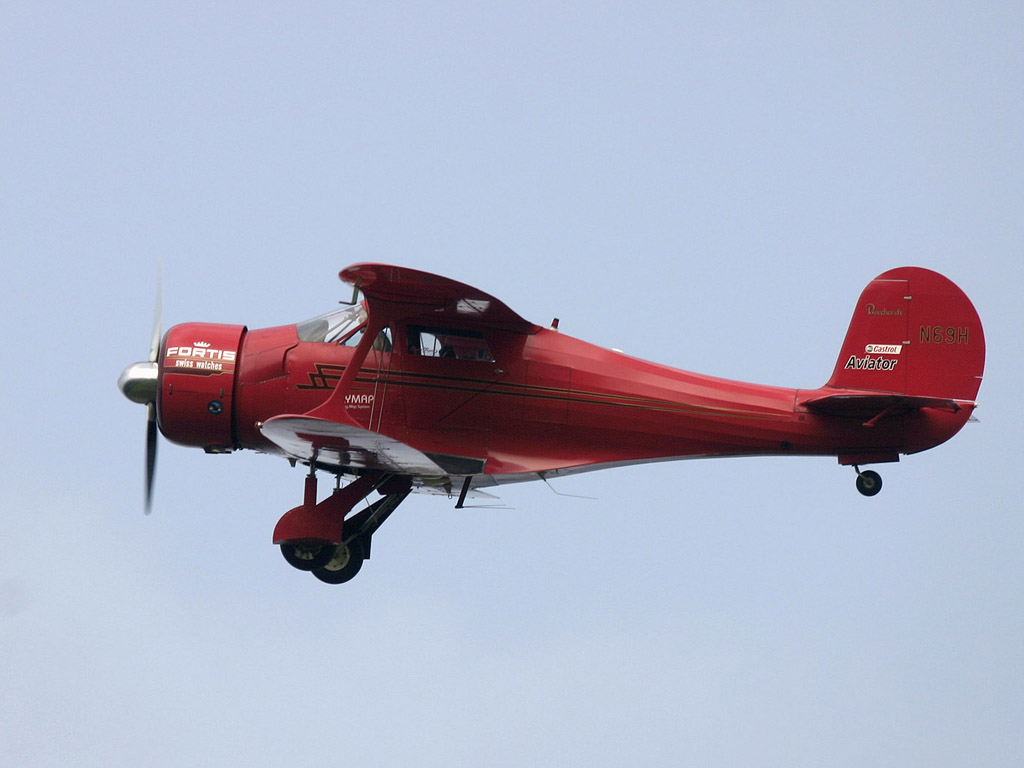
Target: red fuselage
(534,402)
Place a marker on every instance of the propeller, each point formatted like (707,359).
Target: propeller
(151,430)
(139,382)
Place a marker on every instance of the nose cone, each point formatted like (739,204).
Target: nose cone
(138,382)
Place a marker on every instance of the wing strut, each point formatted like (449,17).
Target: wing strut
(465,491)
(334,407)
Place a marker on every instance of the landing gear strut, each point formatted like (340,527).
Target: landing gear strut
(317,537)
(868,482)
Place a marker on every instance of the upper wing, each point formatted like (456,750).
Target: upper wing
(434,295)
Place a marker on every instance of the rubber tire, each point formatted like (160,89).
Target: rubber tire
(869,483)
(308,557)
(339,570)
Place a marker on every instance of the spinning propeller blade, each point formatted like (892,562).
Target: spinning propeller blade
(151,434)
(139,383)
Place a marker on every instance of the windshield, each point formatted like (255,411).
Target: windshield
(342,326)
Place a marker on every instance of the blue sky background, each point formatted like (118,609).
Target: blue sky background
(709,185)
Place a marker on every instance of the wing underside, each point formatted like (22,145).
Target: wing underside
(348,448)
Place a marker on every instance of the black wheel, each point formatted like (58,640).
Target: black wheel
(869,483)
(308,556)
(345,564)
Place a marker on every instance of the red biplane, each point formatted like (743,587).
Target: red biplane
(427,384)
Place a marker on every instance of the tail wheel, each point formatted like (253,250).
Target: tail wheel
(308,555)
(345,564)
(869,483)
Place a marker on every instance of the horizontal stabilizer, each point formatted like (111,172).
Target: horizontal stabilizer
(872,403)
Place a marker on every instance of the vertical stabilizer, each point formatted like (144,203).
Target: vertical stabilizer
(913,332)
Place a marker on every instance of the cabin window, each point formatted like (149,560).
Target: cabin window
(450,343)
(383,341)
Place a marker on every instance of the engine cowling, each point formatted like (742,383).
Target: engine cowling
(198,365)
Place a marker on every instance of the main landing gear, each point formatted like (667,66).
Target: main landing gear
(868,482)
(316,537)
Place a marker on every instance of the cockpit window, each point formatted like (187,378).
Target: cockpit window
(342,326)
(455,343)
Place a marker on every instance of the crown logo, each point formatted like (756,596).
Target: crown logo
(203,344)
